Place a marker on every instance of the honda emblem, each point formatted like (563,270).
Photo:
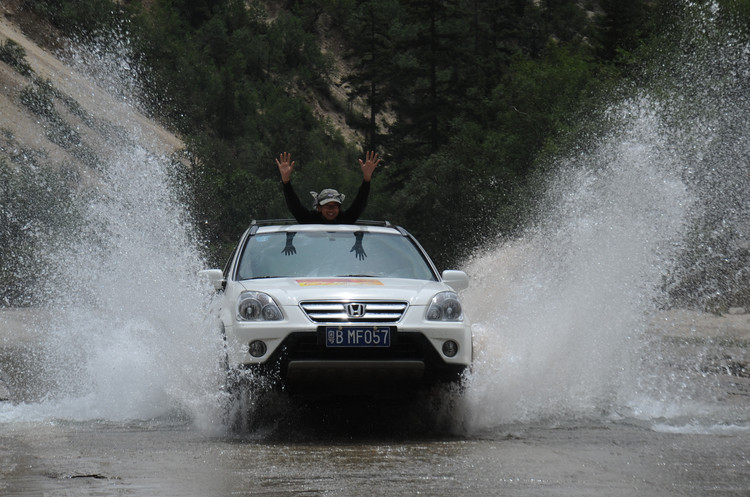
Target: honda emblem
(356,310)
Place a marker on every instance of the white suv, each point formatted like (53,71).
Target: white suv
(337,308)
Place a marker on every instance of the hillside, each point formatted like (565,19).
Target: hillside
(55,116)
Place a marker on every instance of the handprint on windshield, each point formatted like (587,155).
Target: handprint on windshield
(359,252)
(289,247)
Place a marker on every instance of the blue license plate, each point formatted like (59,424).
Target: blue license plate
(358,336)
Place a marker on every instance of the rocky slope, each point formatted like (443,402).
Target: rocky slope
(52,115)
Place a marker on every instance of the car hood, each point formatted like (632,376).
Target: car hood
(291,291)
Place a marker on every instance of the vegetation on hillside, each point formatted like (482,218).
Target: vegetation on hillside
(462,98)
(459,96)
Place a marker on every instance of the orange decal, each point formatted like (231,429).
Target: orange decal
(338,281)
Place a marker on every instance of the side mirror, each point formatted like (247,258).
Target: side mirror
(214,276)
(458,280)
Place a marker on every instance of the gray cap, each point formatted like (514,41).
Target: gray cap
(327,196)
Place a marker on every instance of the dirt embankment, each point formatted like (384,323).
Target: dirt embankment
(30,132)
(692,324)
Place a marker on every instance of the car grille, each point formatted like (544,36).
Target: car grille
(352,312)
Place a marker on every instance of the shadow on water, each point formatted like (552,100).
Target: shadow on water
(280,417)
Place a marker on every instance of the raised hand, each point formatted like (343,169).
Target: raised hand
(286,166)
(368,166)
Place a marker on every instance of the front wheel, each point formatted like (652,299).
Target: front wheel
(250,400)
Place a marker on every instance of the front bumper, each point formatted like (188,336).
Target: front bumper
(411,358)
(296,352)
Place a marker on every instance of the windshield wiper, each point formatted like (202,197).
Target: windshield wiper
(355,276)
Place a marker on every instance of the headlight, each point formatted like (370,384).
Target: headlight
(257,306)
(445,307)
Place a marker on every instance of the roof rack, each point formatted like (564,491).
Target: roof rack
(269,222)
(369,222)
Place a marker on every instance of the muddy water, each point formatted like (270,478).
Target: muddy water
(613,459)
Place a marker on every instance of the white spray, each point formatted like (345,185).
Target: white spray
(561,312)
(127,334)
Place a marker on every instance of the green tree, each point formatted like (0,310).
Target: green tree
(371,31)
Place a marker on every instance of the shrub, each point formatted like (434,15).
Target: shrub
(14,55)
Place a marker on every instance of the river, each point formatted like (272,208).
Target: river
(440,444)
(168,458)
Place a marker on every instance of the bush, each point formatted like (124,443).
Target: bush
(14,55)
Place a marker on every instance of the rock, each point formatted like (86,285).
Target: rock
(736,311)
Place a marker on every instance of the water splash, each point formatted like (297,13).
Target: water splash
(133,330)
(126,334)
(576,286)
(659,197)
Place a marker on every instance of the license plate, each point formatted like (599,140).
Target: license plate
(358,336)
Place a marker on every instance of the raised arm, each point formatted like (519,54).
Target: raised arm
(286,166)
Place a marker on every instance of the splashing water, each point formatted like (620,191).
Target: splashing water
(133,332)
(562,331)
(126,335)
(575,288)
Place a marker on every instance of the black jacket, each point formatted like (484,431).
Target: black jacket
(308,216)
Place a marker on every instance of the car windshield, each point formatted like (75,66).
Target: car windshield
(330,254)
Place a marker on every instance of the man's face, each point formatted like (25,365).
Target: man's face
(329,210)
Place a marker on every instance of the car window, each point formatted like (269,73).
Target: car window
(331,254)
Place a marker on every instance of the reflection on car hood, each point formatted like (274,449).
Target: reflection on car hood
(291,291)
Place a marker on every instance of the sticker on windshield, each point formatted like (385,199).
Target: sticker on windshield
(338,281)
